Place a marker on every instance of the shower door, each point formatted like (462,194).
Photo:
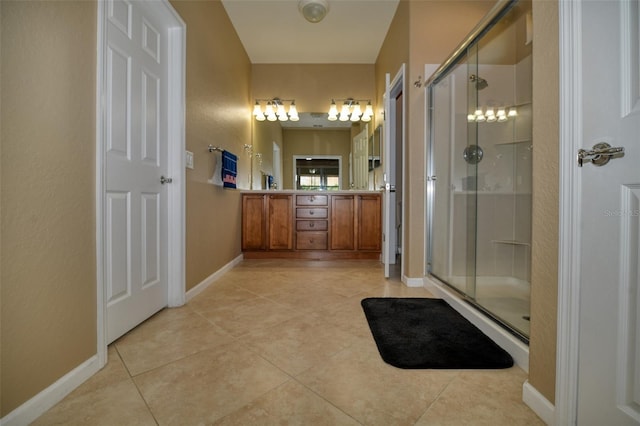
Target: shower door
(479,170)
(453,209)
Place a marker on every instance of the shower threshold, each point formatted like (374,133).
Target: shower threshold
(510,339)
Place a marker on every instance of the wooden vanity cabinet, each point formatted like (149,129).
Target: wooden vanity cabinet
(311,222)
(267,222)
(254,231)
(279,221)
(369,222)
(343,224)
(312,226)
(356,222)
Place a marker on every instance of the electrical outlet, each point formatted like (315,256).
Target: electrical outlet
(188,157)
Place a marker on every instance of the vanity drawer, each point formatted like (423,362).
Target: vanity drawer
(311,225)
(311,213)
(311,240)
(311,200)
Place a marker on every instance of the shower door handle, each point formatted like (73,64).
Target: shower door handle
(599,155)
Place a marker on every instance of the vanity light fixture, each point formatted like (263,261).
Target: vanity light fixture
(491,114)
(350,110)
(275,110)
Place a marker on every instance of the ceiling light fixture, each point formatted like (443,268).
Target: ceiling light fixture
(350,110)
(313,10)
(275,110)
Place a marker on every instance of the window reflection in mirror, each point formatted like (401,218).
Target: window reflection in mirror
(375,147)
(318,173)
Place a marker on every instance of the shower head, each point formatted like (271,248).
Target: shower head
(480,82)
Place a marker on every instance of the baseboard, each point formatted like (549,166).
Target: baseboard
(412,282)
(538,403)
(199,288)
(39,404)
(516,348)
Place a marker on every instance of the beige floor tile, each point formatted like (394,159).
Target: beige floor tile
(118,403)
(251,315)
(169,335)
(220,294)
(283,342)
(348,316)
(482,397)
(206,386)
(289,404)
(299,343)
(359,383)
(309,299)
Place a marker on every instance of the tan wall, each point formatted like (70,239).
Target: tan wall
(218,113)
(313,85)
(393,53)
(315,142)
(48,263)
(418,25)
(544,250)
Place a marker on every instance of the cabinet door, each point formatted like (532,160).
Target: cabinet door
(369,222)
(342,222)
(253,222)
(280,222)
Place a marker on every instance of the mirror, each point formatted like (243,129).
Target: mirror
(316,138)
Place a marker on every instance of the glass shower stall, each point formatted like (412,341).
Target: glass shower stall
(479,169)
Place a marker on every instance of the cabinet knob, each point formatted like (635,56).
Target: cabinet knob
(311,213)
(311,225)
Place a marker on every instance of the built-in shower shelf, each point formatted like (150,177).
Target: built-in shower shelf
(491,193)
(516,142)
(511,242)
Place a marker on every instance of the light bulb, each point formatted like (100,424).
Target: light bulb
(356,113)
(345,109)
(256,109)
(268,110)
(368,110)
(293,112)
(512,112)
(333,109)
(471,118)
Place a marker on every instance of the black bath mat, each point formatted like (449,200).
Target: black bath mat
(428,333)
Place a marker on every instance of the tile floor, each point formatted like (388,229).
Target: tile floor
(282,342)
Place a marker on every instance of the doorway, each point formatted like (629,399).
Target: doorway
(393,176)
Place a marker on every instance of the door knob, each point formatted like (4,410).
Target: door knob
(164,180)
(599,155)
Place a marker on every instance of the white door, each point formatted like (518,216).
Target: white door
(360,161)
(606,218)
(136,159)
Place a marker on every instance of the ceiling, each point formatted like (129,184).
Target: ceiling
(274,31)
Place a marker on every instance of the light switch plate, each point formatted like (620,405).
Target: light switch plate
(188,157)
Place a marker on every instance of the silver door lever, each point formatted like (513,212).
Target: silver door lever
(164,180)
(599,155)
